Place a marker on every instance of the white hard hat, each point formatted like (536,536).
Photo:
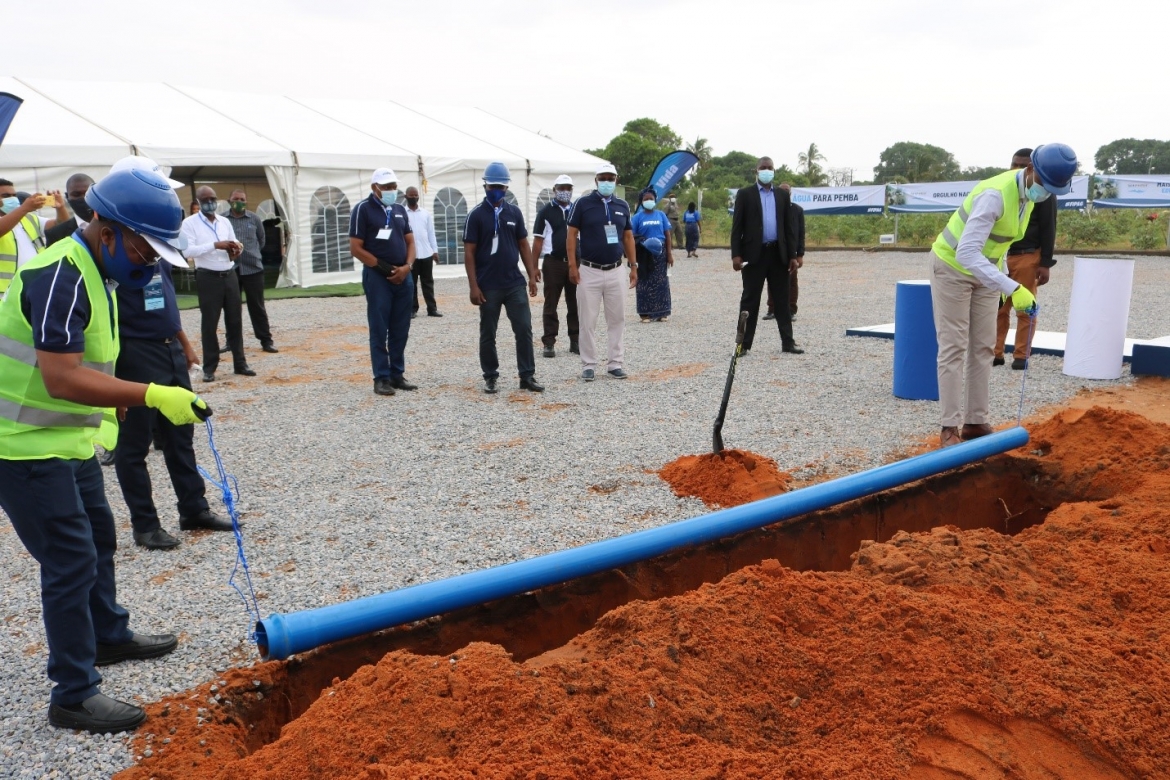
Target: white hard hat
(563,179)
(133,162)
(383,176)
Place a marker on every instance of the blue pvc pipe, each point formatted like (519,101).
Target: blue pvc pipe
(280,636)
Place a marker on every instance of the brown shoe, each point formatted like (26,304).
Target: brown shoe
(949,437)
(975,431)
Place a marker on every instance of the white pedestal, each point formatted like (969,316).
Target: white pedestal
(1098,315)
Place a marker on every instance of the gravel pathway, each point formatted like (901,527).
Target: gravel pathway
(346,494)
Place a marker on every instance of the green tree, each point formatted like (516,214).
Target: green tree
(911,162)
(637,149)
(1130,155)
(979,173)
(659,134)
(701,149)
(809,162)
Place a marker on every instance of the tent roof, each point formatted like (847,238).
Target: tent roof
(45,134)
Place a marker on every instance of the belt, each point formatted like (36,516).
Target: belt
(169,340)
(769,244)
(214,273)
(1023,251)
(562,258)
(599,266)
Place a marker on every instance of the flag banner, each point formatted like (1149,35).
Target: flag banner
(1077,197)
(1131,192)
(820,201)
(670,171)
(8,105)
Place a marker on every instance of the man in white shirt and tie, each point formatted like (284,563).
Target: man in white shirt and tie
(212,244)
(426,252)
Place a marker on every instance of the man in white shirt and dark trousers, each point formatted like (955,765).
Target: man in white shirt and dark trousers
(426,252)
(212,245)
(551,230)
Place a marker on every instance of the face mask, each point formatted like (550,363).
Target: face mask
(389,197)
(412,202)
(81,209)
(209,206)
(563,196)
(239,207)
(606,188)
(765,176)
(648,205)
(122,270)
(1036,193)
(673,201)
(10,204)
(495,196)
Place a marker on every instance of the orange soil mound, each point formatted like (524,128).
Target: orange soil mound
(939,655)
(730,478)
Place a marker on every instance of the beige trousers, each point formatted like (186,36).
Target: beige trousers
(964,321)
(599,287)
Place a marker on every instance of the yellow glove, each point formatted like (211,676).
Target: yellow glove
(176,403)
(1023,299)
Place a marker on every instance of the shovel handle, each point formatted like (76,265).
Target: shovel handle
(739,330)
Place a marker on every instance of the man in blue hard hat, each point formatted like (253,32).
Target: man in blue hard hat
(58,393)
(495,241)
(968,280)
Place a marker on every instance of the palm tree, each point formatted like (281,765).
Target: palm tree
(809,162)
(701,149)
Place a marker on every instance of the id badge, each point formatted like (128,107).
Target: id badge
(495,244)
(154,294)
(384,234)
(611,234)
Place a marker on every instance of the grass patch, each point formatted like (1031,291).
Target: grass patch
(348,290)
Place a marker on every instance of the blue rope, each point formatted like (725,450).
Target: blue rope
(1035,310)
(229,489)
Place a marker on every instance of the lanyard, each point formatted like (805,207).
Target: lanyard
(211,227)
(389,212)
(608,218)
(496,217)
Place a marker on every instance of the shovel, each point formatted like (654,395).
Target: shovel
(717,433)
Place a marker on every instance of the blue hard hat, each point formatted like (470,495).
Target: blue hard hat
(144,202)
(497,173)
(1055,164)
(653,245)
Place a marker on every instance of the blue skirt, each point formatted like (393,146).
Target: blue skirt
(653,291)
(692,236)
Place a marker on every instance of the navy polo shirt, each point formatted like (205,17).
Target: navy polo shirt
(590,215)
(371,217)
(498,271)
(158,321)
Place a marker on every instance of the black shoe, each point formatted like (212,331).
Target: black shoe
(434,313)
(269,348)
(997,362)
(413,315)
(224,349)
(491,386)
(106,458)
(205,520)
(383,387)
(245,371)
(1019,364)
(139,647)
(401,384)
(99,714)
(549,352)
(573,348)
(531,385)
(158,539)
(769,316)
(792,349)
(208,376)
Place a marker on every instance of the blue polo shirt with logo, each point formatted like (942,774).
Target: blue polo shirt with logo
(590,215)
(150,313)
(499,270)
(369,218)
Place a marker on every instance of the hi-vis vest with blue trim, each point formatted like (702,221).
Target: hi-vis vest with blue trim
(1007,230)
(33,424)
(8,252)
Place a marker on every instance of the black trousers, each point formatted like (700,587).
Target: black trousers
(142,360)
(219,293)
(771,270)
(556,280)
(424,276)
(252,286)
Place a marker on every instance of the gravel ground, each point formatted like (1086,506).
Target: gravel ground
(346,494)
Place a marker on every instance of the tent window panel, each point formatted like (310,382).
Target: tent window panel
(450,212)
(330,231)
(543,199)
(510,197)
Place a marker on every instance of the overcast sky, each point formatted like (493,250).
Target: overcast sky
(980,79)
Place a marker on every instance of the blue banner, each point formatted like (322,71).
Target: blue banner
(670,171)
(1135,191)
(8,105)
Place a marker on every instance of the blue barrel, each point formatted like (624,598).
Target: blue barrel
(915,343)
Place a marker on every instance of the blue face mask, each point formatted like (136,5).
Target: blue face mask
(648,205)
(495,196)
(765,176)
(606,188)
(389,197)
(122,270)
(10,204)
(1036,193)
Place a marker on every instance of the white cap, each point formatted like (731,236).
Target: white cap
(564,178)
(166,251)
(605,168)
(134,162)
(384,176)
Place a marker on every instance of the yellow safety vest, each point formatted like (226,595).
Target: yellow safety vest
(33,424)
(1007,230)
(32,226)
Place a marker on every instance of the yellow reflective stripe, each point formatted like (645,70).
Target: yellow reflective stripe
(24,353)
(43,418)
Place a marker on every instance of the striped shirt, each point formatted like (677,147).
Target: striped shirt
(249,230)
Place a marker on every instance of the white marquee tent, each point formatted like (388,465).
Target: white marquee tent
(315,154)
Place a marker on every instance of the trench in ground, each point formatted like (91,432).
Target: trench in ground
(1006,494)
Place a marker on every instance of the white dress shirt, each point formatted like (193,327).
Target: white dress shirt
(422,224)
(985,211)
(201,234)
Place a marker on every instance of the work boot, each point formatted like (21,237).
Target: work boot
(383,387)
(205,520)
(158,539)
(949,436)
(549,352)
(99,714)
(974,431)
(997,362)
(491,385)
(1019,364)
(573,348)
